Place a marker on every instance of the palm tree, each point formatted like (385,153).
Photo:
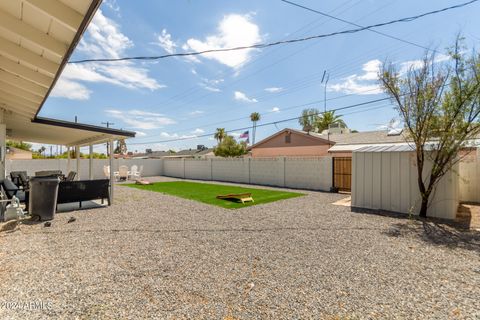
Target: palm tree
(326,119)
(254,117)
(308,119)
(220,134)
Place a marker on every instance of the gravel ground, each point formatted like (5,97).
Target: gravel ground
(157,256)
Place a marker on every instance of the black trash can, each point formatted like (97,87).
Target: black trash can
(43,197)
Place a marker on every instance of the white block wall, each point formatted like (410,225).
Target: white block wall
(301,173)
(270,172)
(309,173)
(174,167)
(198,169)
(388,181)
(232,170)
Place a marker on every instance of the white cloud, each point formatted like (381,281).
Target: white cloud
(140,134)
(104,39)
(273,89)
(212,89)
(194,71)
(417,64)
(175,135)
(65,88)
(240,96)
(233,31)
(275,109)
(165,41)
(211,84)
(139,119)
(198,131)
(393,124)
(196,112)
(363,84)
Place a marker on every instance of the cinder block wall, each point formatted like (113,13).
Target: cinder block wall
(303,173)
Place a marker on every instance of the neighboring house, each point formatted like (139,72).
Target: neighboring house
(152,155)
(202,153)
(297,143)
(18,154)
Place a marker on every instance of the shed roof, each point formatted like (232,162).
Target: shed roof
(396,147)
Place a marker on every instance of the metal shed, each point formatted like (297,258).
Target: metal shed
(385,178)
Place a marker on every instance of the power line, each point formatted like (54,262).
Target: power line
(270,112)
(263,124)
(356,25)
(271,44)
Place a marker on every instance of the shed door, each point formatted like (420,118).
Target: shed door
(342,173)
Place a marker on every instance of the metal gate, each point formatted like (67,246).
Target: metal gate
(342,173)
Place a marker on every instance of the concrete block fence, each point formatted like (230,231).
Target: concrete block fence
(302,173)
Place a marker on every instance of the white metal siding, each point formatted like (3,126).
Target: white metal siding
(387,181)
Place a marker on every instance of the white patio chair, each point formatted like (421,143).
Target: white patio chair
(134,173)
(123,173)
(106,172)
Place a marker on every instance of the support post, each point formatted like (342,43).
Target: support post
(68,160)
(77,156)
(110,143)
(3,146)
(90,162)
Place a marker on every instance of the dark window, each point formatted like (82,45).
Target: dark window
(287,138)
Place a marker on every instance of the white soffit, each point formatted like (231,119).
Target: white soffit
(36,39)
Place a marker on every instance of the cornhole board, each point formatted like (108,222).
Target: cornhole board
(142,182)
(244,197)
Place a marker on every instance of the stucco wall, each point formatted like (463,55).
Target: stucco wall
(300,145)
(291,151)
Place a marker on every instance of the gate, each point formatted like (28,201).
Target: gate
(342,173)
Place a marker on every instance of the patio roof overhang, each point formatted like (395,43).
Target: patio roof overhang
(37,37)
(45,130)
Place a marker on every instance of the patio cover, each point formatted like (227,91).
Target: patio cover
(37,37)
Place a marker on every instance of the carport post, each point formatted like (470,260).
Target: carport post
(77,155)
(90,162)
(68,159)
(110,144)
(3,148)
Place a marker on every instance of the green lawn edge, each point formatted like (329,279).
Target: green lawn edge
(207,192)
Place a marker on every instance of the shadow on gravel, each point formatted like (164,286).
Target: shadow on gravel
(433,231)
(436,233)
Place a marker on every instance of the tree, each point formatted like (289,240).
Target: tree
(220,134)
(229,147)
(19,145)
(439,105)
(41,150)
(328,118)
(308,119)
(121,147)
(254,117)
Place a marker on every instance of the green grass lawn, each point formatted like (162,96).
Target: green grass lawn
(207,192)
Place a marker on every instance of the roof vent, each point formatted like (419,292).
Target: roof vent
(394,132)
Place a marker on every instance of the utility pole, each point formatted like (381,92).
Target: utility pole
(325,73)
(108,124)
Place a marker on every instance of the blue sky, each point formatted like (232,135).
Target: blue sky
(182,97)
